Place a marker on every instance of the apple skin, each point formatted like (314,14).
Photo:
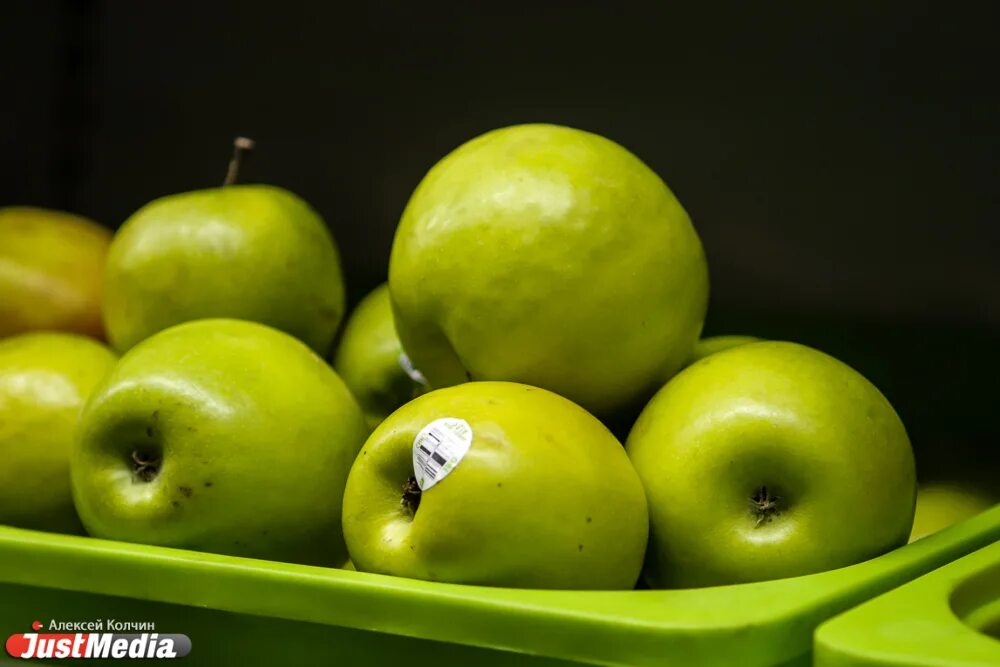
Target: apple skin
(51,267)
(544,498)
(367,359)
(713,344)
(778,415)
(944,503)
(549,256)
(45,378)
(255,435)
(251,252)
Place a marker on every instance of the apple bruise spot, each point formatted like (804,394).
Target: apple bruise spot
(765,506)
(411,495)
(145,464)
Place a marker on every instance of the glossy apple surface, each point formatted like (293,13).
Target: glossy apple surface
(251,252)
(544,498)
(219,435)
(770,460)
(550,256)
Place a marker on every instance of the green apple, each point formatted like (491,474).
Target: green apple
(943,503)
(51,265)
(713,344)
(251,252)
(550,256)
(45,378)
(770,460)
(371,361)
(219,435)
(543,497)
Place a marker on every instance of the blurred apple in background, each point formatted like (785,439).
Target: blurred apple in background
(51,264)
(219,435)
(252,252)
(550,256)
(943,503)
(371,361)
(713,344)
(770,460)
(45,378)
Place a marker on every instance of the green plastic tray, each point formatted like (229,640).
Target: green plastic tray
(241,611)
(950,617)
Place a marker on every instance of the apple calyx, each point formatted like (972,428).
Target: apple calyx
(145,465)
(765,506)
(411,495)
(240,144)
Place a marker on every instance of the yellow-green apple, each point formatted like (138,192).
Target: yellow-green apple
(252,252)
(45,378)
(371,360)
(219,435)
(550,256)
(770,460)
(943,503)
(499,484)
(713,344)
(51,265)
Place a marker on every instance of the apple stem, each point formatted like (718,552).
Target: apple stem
(765,505)
(240,144)
(411,495)
(145,465)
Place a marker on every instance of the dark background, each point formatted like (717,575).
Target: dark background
(839,164)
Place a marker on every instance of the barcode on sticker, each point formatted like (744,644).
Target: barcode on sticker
(438,448)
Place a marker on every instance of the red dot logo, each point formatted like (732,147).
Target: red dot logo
(36,625)
(17,645)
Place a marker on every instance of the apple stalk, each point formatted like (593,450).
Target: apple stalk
(240,144)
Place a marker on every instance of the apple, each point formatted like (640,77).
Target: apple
(713,344)
(770,460)
(45,378)
(943,503)
(536,493)
(549,256)
(252,252)
(51,265)
(219,435)
(371,360)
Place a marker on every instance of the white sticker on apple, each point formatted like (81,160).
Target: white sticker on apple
(411,370)
(438,449)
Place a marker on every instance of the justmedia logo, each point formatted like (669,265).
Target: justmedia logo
(96,644)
